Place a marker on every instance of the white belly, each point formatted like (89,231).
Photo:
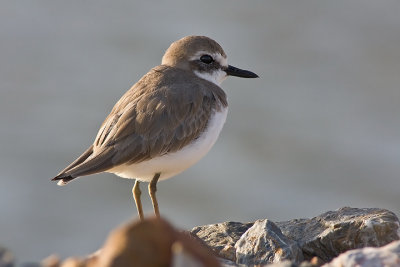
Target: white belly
(173,163)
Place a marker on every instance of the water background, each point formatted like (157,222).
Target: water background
(319,130)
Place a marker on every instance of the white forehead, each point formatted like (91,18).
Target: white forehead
(223,61)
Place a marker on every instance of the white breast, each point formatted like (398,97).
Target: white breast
(173,163)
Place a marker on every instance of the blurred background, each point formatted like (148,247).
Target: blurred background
(319,130)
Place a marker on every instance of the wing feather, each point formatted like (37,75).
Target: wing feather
(163,112)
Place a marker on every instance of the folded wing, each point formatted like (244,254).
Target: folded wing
(149,121)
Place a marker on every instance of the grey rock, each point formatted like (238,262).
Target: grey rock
(334,232)
(227,263)
(285,263)
(222,237)
(6,258)
(323,237)
(264,243)
(388,256)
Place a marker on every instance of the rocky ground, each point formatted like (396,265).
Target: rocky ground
(345,237)
(317,240)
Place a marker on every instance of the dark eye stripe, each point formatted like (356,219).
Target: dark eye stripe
(206,59)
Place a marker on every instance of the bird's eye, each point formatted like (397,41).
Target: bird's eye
(206,59)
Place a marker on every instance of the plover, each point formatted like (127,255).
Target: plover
(164,123)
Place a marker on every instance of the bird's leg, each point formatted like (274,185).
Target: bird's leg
(152,193)
(136,195)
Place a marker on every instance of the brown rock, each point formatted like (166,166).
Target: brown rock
(149,243)
(152,242)
(315,261)
(138,243)
(51,261)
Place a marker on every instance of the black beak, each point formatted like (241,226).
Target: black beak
(233,71)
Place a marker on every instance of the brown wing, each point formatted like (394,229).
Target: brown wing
(147,123)
(163,112)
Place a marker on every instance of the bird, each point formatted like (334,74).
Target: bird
(166,122)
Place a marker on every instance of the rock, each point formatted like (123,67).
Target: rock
(51,261)
(388,256)
(227,263)
(180,257)
(285,263)
(320,238)
(334,232)
(233,242)
(138,242)
(6,258)
(152,242)
(264,243)
(222,237)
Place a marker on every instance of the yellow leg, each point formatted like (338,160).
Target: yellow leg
(152,193)
(136,195)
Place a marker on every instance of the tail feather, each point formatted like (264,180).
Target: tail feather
(86,164)
(63,180)
(85,155)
